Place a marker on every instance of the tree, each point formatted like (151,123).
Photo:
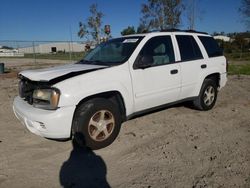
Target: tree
(193,13)
(161,14)
(141,29)
(6,47)
(128,31)
(93,26)
(245,11)
(215,33)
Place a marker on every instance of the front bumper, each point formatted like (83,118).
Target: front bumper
(55,124)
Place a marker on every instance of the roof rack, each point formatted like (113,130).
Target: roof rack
(170,30)
(179,30)
(193,31)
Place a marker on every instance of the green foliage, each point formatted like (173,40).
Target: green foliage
(141,29)
(57,56)
(161,14)
(93,26)
(128,31)
(245,12)
(83,30)
(238,56)
(237,69)
(6,47)
(238,48)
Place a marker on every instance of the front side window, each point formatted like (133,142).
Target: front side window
(159,51)
(188,47)
(113,52)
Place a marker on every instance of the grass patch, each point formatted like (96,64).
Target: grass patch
(75,56)
(57,56)
(237,69)
(245,56)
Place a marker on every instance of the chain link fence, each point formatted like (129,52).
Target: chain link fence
(60,50)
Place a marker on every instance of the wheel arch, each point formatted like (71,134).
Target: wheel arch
(86,110)
(215,77)
(114,96)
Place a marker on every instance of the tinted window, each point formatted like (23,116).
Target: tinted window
(189,49)
(159,49)
(211,46)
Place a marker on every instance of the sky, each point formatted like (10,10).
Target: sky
(54,20)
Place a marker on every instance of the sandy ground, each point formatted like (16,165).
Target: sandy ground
(176,147)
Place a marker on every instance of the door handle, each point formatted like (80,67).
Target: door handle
(203,66)
(175,71)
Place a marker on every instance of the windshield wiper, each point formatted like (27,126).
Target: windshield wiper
(83,61)
(106,63)
(98,62)
(94,62)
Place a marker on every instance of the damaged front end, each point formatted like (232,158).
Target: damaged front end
(40,94)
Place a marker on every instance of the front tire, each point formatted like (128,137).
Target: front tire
(96,123)
(208,95)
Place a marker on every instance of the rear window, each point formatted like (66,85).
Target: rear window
(188,47)
(211,46)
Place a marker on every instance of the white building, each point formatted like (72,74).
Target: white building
(9,52)
(54,47)
(224,38)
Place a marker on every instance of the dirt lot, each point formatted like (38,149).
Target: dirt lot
(176,147)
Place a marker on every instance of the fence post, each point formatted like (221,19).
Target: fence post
(1,68)
(34,52)
(70,58)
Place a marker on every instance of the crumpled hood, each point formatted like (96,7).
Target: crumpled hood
(49,74)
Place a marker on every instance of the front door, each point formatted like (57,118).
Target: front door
(156,77)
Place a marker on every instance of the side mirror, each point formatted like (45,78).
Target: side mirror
(145,61)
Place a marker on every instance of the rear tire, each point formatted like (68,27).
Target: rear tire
(96,123)
(207,97)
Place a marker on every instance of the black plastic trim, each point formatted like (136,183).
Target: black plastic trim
(203,66)
(157,108)
(179,30)
(175,71)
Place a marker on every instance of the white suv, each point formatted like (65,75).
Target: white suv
(118,80)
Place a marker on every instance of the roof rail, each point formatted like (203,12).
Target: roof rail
(178,30)
(193,31)
(170,30)
(156,30)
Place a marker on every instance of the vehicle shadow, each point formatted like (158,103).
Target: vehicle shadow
(83,169)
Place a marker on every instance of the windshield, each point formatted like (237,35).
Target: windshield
(113,52)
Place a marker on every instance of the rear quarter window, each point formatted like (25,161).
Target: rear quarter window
(211,46)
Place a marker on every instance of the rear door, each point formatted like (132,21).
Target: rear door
(157,82)
(191,64)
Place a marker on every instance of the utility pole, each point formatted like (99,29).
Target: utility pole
(34,52)
(191,14)
(71,45)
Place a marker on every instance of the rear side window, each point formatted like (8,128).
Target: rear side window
(211,46)
(188,47)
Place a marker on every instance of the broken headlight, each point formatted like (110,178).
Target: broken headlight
(46,98)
